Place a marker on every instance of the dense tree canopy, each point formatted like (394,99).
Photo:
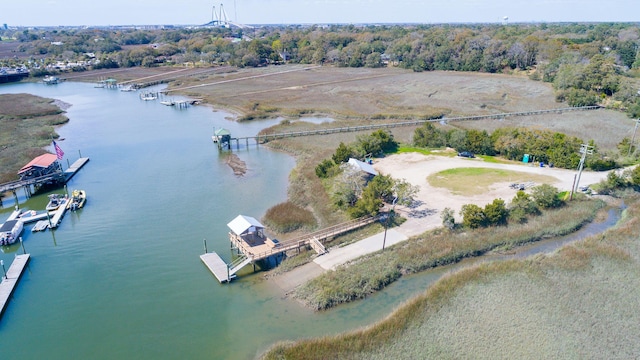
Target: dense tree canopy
(583,61)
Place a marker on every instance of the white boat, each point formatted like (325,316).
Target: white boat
(50,80)
(128,88)
(168,103)
(148,97)
(55,200)
(10,231)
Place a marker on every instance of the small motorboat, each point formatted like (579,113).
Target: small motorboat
(10,231)
(55,200)
(78,198)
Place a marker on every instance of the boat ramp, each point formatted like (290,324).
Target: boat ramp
(10,279)
(248,239)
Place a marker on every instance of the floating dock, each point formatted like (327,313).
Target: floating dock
(13,275)
(73,169)
(216,265)
(58,214)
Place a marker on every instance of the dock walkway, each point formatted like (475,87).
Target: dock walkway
(59,213)
(73,169)
(216,265)
(13,275)
(259,139)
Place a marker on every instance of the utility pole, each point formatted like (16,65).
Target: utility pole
(633,138)
(584,150)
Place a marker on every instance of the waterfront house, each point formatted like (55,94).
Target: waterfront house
(46,164)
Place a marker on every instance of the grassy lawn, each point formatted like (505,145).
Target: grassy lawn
(475,181)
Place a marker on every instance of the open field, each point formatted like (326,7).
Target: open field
(476,181)
(580,302)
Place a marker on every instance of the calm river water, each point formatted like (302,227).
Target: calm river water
(121,278)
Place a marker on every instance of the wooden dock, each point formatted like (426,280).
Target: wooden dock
(73,169)
(216,265)
(314,239)
(13,275)
(58,214)
(260,139)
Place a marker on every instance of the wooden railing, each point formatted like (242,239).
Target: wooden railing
(303,240)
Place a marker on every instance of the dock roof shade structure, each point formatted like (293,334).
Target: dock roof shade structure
(242,223)
(221,132)
(363,166)
(42,161)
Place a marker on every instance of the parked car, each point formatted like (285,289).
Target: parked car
(466,154)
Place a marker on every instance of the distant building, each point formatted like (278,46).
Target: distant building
(362,166)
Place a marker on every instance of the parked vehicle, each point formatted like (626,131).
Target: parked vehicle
(466,154)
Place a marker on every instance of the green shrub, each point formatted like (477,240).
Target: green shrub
(522,206)
(325,169)
(472,216)
(496,213)
(546,196)
(448,220)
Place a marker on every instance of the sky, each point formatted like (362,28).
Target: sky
(197,12)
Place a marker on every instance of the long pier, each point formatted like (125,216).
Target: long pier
(9,282)
(259,139)
(250,254)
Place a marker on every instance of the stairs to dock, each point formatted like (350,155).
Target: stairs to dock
(238,264)
(317,246)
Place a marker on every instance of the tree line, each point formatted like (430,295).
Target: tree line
(552,148)
(586,63)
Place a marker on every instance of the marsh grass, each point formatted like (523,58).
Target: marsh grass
(580,302)
(475,181)
(287,216)
(26,126)
(373,272)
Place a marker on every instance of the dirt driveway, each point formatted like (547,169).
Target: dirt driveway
(415,168)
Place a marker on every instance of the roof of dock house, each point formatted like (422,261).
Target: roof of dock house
(222,131)
(363,166)
(243,223)
(42,161)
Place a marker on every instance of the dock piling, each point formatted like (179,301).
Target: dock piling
(205,245)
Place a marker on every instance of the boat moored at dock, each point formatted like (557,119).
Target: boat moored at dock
(10,231)
(78,199)
(55,201)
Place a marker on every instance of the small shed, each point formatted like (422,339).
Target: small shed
(246,225)
(222,136)
(111,82)
(42,165)
(362,166)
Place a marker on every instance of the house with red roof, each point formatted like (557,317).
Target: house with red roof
(46,164)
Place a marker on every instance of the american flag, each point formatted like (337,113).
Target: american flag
(59,152)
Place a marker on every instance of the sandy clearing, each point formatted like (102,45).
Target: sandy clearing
(415,168)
